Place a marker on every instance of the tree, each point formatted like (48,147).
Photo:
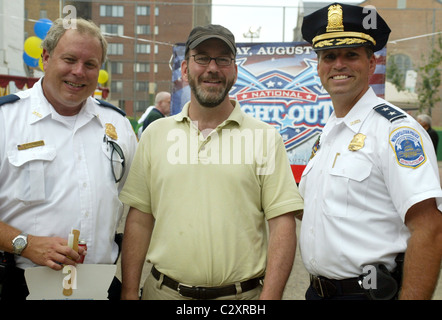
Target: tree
(394,75)
(428,91)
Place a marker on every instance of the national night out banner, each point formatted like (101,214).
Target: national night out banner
(278,84)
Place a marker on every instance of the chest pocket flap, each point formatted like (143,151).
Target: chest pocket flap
(29,170)
(354,169)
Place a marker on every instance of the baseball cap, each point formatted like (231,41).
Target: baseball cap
(200,34)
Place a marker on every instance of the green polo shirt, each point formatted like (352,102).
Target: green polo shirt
(211,196)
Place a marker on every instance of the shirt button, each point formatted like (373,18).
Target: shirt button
(84,185)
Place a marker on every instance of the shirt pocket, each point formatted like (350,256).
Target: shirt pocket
(29,169)
(345,192)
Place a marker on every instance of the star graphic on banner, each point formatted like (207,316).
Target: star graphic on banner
(270,84)
(286,122)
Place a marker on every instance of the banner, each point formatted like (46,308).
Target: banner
(278,84)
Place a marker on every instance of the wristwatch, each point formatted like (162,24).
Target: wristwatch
(19,243)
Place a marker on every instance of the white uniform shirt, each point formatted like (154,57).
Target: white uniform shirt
(45,190)
(356,201)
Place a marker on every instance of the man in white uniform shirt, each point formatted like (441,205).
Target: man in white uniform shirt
(64,157)
(371,188)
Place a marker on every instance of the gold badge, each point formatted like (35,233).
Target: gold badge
(357,142)
(111,132)
(30,145)
(335,19)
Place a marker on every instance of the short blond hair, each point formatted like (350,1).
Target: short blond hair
(83,26)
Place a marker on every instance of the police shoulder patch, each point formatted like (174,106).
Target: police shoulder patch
(109,105)
(8,99)
(407,146)
(388,112)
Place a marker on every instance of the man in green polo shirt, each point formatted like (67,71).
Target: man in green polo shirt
(203,187)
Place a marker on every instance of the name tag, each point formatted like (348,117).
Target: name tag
(31,145)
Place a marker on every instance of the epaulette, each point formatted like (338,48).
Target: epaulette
(389,113)
(8,99)
(109,105)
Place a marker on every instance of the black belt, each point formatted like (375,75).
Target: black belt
(327,288)
(205,292)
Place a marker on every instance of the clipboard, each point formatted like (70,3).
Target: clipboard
(88,281)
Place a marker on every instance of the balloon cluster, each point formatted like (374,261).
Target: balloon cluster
(33,50)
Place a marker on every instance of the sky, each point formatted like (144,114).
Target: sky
(276,19)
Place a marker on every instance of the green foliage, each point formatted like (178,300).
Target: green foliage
(395,76)
(428,91)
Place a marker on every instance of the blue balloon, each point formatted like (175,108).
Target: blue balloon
(42,27)
(33,63)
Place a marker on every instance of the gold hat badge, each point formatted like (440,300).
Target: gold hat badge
(335,19)
(111,132)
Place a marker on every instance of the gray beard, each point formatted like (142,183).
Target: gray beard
(211,98)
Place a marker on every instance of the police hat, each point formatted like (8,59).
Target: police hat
(342,26)
(200,34)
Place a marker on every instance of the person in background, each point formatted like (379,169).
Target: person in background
(425,121)
(200,200)
(161,109)
(371,189)
(64,157)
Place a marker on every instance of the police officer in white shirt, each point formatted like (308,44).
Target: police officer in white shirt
(64,157)
(371,188)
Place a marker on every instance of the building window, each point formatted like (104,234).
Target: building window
(116,67)
(116,86)
(143,10)
(142,86)
(141,67)
(115,48)
(401,4)
(143,48)
(117,29)
(111,11)
(397,67)
(143,29)
(141,106)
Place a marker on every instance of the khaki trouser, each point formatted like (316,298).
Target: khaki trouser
(154,290)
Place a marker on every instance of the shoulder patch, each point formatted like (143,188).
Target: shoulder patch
(8,99)
(109,105)
(408,147)
(389,113)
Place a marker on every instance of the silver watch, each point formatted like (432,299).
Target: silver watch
(19,243)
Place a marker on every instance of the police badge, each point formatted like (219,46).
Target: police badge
(111,132)
(357,142)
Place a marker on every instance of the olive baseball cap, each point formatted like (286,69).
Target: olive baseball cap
(200,34)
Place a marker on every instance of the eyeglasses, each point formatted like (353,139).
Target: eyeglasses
(118,165)
(204,60)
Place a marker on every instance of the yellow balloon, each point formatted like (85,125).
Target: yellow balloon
(33,47)
(103,76)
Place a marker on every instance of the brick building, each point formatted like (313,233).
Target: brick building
(141,35)
(416,26)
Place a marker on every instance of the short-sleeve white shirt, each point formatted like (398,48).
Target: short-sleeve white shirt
(45,190)
(356,201)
